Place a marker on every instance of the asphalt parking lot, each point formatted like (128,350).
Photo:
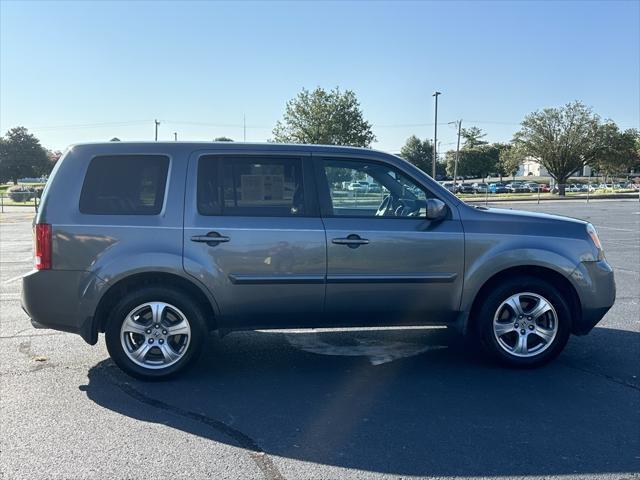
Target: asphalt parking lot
(321,405)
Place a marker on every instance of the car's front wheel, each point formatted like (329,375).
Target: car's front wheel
(155,332)
(524,322)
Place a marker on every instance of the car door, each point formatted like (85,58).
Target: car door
(253,236)
(386,262)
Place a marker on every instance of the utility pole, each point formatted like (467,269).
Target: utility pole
(175,136)
(157,123)
(244,127)
(435,138)
(455,165)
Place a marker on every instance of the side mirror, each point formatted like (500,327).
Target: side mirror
(436,209)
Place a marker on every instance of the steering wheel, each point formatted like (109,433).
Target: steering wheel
(386,206)
(397,207)
(407,208)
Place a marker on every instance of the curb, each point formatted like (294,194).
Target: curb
(613,196)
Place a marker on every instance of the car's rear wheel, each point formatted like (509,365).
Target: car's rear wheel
(155,332)
(524,322)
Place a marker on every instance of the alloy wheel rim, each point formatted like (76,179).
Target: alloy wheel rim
(525,324)
(155,335)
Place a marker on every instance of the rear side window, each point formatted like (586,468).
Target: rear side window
(260,186)
(125,185)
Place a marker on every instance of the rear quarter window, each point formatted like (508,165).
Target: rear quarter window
(125,185)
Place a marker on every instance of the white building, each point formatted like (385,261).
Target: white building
(532,167)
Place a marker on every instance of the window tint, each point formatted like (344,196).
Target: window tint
(208,187)
(250,186)
(125,185)
(365,189)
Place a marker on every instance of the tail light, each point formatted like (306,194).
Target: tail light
(43,246)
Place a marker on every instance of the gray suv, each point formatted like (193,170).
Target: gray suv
(156,244)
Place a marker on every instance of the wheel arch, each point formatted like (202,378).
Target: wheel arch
(559,281)
(137,280)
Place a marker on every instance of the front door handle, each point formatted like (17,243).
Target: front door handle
(212,238)
(352,241)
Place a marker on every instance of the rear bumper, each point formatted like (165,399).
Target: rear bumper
(590,318)
(597,292)
(62,300)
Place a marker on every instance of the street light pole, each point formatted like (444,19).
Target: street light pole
(435,138)
(156,123)
(455,165)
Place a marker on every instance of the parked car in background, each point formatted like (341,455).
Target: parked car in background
(357,187)
(374,188)
(464,188)
(498,188)
(480,187)
(517,187)
(449,186)
(544,188)
(144,242)
(532,187)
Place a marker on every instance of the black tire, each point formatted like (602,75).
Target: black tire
(501,292)
(141,296)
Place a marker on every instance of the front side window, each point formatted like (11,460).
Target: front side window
(125,185)
(250,186)
(367,189)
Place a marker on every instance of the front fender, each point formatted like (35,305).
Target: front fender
(484,267)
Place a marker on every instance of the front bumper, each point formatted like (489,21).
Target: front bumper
(596,288)
(62,300)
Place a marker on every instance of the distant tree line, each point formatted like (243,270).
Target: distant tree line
(21,155)
(563,140)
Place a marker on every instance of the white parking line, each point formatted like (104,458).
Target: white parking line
(13,279)
(618,229)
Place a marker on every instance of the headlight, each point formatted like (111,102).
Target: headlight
(591,230)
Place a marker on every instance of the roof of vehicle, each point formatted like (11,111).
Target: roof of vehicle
(235,146)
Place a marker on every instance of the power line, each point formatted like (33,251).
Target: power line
(89,125)
(242,125)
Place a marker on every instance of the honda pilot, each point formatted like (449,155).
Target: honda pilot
(157,244)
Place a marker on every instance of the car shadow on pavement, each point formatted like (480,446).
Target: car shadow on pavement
(442,412)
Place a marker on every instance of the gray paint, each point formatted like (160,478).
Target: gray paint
(276,272)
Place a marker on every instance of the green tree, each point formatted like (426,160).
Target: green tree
(420,153)
(478,161)
(619,152)
(21,155)
(562,139)
(510,157)
(472,137)
(321,117)
(223,139)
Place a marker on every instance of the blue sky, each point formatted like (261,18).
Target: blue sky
(73,71)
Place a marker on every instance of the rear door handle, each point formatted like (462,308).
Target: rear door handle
(212,238)
(351,241)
